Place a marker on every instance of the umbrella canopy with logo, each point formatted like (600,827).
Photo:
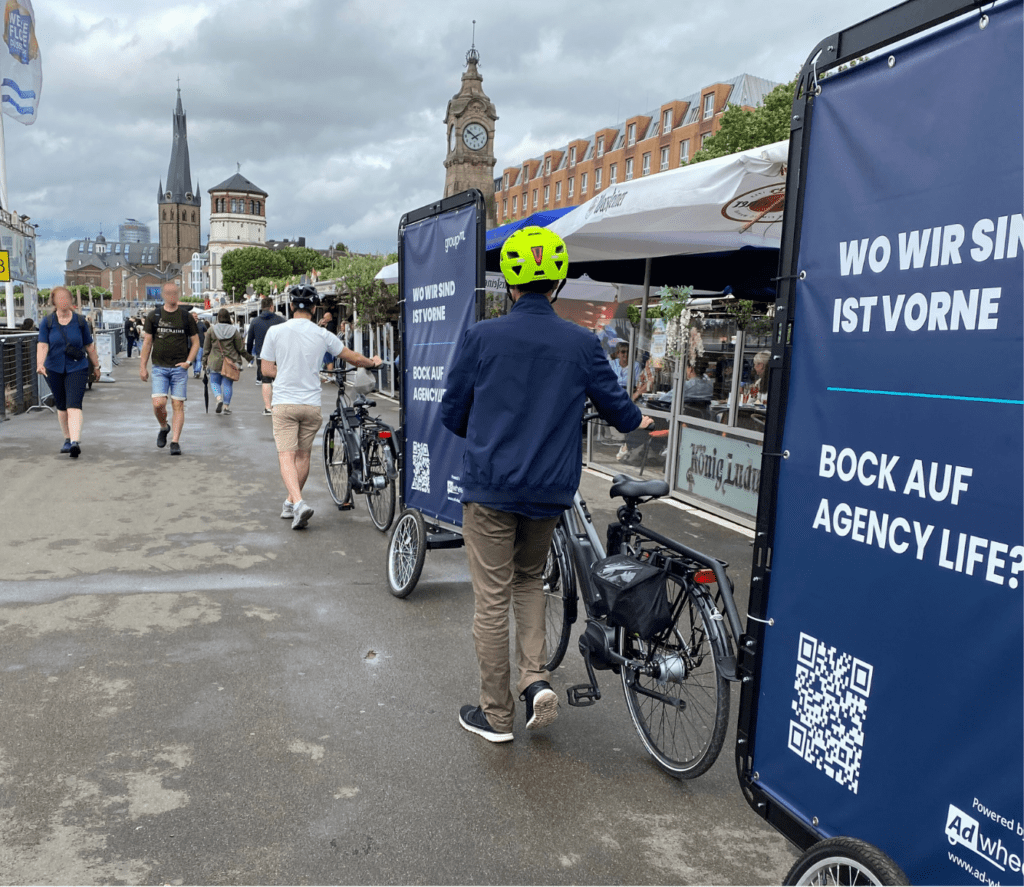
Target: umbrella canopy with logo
(712,207)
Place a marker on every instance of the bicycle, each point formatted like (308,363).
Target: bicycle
(676,683)
(360,456)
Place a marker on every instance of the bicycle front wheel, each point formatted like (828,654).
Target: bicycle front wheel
(560,600)
(380,490)
(678,701)
(336,464)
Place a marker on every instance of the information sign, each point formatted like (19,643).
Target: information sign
(890,696)
(441,269)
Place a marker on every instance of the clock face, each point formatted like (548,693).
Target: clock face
(475,136)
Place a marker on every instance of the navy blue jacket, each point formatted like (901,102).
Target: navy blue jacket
(517,393)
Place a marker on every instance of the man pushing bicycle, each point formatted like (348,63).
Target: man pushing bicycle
(517,394)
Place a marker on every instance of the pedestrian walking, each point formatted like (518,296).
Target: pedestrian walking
(224,355)
(202,327)
(291,357)
(516,393)
(171,335)
(64,351)
(254,345)
(131,334)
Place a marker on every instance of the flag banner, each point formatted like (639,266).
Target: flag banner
(21,69)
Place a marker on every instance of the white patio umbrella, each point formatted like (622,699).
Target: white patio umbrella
(715,206)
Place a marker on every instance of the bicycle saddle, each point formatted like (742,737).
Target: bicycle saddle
(361,401)
(628,488)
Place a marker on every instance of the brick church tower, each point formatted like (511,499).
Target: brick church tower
(178,203)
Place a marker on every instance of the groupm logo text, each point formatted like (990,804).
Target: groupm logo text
(962,828)
(453,242)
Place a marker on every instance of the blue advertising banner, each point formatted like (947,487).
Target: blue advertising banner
(438,259)
(891,704)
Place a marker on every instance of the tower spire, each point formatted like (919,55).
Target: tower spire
(473,57)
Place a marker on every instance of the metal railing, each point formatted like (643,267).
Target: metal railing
(18,379)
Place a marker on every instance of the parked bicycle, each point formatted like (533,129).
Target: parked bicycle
(676,681)
(360,456)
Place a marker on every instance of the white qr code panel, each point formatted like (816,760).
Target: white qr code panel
(830,708)
(420,467)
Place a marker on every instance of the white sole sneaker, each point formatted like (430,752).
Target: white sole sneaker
(302,515)
(545,709)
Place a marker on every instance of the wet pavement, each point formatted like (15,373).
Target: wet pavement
(194,693)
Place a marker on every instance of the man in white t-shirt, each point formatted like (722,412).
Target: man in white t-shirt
(292,354)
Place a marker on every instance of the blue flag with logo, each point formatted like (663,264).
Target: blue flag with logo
(21,68)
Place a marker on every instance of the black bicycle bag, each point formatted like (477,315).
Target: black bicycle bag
(636,595)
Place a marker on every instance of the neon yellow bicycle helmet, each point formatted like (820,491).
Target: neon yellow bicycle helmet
(533,254)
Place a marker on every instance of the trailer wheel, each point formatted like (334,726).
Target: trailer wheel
(406,552)
(845,861)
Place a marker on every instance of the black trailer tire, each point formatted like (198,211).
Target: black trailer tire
(407,549)
(845,861)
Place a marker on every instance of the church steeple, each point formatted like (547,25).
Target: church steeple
(178,203)
(179,175)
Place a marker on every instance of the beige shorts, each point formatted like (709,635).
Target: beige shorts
(295,426)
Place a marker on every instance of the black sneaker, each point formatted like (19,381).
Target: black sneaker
(75,449)
(541,704)
(472,718)
(175,448)
(161,438)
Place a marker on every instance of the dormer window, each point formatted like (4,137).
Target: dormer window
(632,134)
(188,196)
(600,146)
(167,196)
(666,121)
(547,166)
(572,157)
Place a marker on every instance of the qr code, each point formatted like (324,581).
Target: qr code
(420,467)
(831,704)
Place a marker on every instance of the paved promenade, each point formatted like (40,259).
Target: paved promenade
(194,693)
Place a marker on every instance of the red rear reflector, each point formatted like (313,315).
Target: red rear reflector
(383,435)
(704,577)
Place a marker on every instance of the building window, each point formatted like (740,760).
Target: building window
(684,152)
(632,134)
(504,207)
(506,181)
(583,184)
(645,170)
(600,147)
(572,182)
(629,169)
(193,215)
(613,174)
(709,105)
(526,173)
(558,191)
(704,138)
(597,179)
(666,121)
(515,204)
(534,198)
(547,194)
(572,157)
(664,159)
(547,166)
(163,216)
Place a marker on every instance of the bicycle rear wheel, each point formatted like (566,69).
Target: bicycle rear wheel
(336,464)
(380,490)
(679,702)
(560,600)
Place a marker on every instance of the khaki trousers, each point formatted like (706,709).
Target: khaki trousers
(507,553)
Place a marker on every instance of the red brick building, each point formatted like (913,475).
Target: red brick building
(645,144)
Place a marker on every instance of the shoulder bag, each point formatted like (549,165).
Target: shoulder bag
(229,369)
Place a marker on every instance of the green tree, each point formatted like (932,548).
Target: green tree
(302,259)
(741,129)
(340,247)
(373,301)
(242,266)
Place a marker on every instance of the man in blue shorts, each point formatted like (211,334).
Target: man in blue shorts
(170,333)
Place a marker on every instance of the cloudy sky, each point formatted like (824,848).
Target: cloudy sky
(336,108)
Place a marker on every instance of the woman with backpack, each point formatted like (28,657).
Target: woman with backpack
(64,351)
(223,356)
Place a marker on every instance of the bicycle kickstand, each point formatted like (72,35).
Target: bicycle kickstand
(582,695)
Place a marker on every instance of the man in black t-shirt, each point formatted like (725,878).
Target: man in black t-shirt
(170,333)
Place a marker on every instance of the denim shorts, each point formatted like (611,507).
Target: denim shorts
(173,380)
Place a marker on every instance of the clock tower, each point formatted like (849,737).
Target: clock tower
(469,162)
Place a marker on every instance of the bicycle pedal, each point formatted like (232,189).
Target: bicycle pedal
(348,506)
(582,695)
